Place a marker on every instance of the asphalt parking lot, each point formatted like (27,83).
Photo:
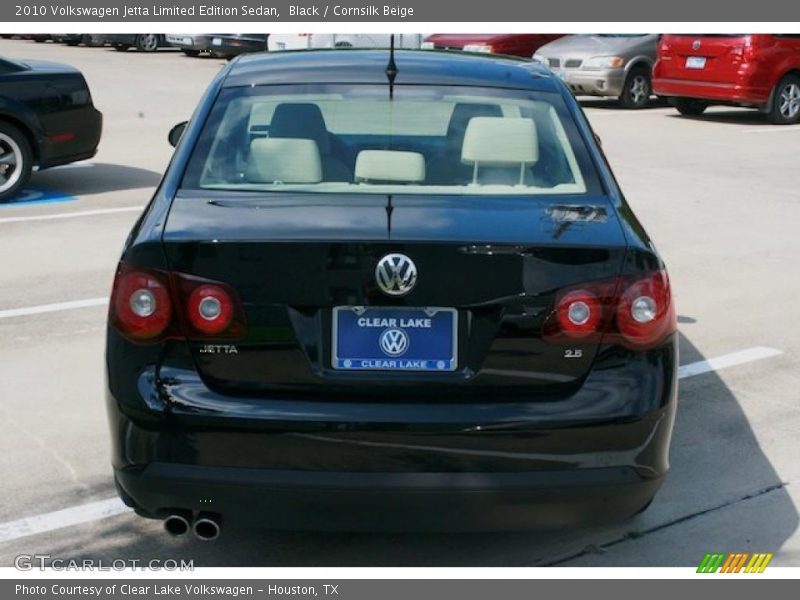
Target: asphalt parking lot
(719,194)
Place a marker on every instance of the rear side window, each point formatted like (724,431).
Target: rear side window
(358,139)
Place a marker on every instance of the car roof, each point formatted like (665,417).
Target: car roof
(421,67)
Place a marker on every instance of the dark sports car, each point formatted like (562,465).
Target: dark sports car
(46,119)
(220,45)
(144,42)
(75,39)
(389,291)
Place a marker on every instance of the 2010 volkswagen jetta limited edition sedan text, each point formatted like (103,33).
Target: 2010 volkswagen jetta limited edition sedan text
(389,291)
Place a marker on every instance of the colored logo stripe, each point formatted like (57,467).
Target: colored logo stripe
(758,563)
(710,563)
(734,562)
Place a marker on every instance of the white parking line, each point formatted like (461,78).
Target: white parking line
(59,519)
(46,308)
(72,215)
(726,360)
(86,513)
(776,129)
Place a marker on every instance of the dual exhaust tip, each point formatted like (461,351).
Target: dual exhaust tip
(206,526)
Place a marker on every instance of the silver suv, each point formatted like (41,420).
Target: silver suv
(618,65)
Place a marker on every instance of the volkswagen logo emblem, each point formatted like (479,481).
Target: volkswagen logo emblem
(696,45)
(396,274)
(394,342)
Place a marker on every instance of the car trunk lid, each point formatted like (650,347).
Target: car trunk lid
(294,258)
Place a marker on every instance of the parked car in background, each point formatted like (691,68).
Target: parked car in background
(289,41)
(39,38)
(411,41)
(144,42)
(753,70)
(75,39)
(220,45)
(301,41)
(615,65)
(358,310)
(513,44)
(46,119)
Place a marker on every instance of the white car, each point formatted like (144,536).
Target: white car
(299,41)
(289,41)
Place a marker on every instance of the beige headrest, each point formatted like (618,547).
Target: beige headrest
(500,142)
(284,160)
(390,165)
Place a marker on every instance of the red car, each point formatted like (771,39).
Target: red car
(513,44)
(755,70)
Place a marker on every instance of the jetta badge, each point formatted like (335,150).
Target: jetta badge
(696,45)
(396,274)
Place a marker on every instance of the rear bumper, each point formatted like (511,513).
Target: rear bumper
(392,501)
(228,46)
(190,42)
(87,126)
(597,455)
(728,93)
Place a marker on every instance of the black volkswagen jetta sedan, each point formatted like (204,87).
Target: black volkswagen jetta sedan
(380,291)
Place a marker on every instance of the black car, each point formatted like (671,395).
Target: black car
(220,45)
(389,291)
(76,39)
(144,42)
(46,119)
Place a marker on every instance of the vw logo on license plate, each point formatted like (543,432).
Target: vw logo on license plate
(394,342)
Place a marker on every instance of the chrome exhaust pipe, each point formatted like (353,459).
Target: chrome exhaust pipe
(176,524)
(206,527)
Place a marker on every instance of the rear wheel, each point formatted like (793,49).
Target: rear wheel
(785,108)
(690,107)
(147,42)
(637,90)
(16,161)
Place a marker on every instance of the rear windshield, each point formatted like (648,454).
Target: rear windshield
(358,139)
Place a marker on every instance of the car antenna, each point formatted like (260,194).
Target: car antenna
(391,68)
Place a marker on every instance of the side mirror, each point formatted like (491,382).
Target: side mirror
(176,132)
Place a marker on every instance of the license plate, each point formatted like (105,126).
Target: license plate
(216,41)
(394,339)
(695,62)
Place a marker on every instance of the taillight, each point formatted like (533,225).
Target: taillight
(743,49)
(210,309)
(635,311)
(149,305)
(579,313)
(140,307)
(645,312)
